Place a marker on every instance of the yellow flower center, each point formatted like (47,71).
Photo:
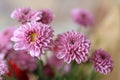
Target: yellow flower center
(33,36)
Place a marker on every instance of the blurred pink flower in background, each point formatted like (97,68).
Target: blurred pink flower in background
(48,71)
(34,37)
(25,15)
(102,61)
(72,46)
(5,42)
(47,16)
(82,17)
(23,60)
(58,64)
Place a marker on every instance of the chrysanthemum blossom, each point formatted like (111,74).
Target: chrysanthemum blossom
(102,61)
(72,46)
(23,60)
(33,37)
(82,17)
(3,65)
(47,16)
(25,15)
(5,42)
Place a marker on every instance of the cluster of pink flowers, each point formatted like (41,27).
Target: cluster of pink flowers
(25,15)
(35,36)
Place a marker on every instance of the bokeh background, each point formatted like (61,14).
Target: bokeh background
(106,34)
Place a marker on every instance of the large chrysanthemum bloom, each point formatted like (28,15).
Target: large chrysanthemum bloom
(72,46)
(102,61)
(3,65)
(23,60)
(33,37)
(25,15)
(47,16)
(5,42)
(82,17)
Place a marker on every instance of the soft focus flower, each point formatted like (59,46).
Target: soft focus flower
(23,60)
(58,63)
(20,74)
(5,42)
(33,37)
(102,61)
(25,15)
(72,45)
(82,17)
(3,65)
(48,71)
(47,16)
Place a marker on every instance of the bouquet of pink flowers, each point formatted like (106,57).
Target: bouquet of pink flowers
(24,49)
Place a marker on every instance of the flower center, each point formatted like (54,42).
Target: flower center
(103,57)
(72,42)
(33,36)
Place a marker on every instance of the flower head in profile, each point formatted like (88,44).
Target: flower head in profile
(47,16)
(72,46)
(82,17)
(33,37)
(102,61)
(25,15)
(23,60)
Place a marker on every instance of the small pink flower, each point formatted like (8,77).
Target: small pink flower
(3,65)
(72,45)
(102,61)
(33,37)
(58,63)
(82,17)
(25,15)
(47,16)
(23,60)
(5,42)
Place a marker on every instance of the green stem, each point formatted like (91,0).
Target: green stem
(92,75)
(40,69)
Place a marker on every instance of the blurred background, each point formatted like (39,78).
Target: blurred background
(106,34)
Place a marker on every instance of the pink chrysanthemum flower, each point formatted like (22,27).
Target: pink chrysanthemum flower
(72,45)
(25,15)
(47,16)
(102,61)
(23,60)
(5,42)
(3,65)
(82,17)
(33,37)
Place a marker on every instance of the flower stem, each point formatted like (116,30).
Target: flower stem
(91,75)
